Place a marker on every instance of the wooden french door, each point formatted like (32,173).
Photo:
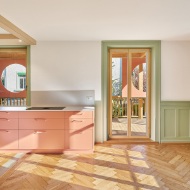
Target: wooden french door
(129,93)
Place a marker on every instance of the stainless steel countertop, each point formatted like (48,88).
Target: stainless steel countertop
(67,108)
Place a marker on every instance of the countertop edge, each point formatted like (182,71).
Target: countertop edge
(67,108)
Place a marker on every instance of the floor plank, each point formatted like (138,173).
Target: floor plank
(110,167)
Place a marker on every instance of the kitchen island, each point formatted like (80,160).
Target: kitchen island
(70,129)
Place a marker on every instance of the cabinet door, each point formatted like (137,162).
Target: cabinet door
(6,123)
(8,139)
(41,139)
(79,139)
(41,123)
(41,114)
(8,114)
(78,114)
(78,123)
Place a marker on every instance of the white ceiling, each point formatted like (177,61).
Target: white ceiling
(47,20)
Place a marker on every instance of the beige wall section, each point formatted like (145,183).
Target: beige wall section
(68,66)
(175,70)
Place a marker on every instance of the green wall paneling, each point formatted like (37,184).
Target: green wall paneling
(175,121)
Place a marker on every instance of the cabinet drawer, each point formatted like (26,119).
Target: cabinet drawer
(41,123)
(41,139)
(8,139)
(8,114)
(78,114)
(41,114)
(78,123)
(6,123)
(79,139)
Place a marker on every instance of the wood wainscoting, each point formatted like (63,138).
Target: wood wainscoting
(175,121)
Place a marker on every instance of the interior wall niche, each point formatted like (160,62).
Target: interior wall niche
(13,58)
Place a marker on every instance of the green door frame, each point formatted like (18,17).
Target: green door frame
(28,71)
(155,46)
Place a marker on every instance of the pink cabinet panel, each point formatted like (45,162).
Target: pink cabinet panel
(41,139)
(8,139)
(41,123)
(79,130)
(78,114)
(8,114)
(41,114)
(78,123)
(8,123)
(79,139)
(47,130)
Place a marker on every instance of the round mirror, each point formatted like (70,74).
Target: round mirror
(13,78)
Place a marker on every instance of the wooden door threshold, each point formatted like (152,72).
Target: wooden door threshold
(130,141)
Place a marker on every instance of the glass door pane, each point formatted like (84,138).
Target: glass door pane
(119,93)
(138,94)
(129,93)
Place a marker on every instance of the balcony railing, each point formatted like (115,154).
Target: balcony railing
(12,101)
(119,107)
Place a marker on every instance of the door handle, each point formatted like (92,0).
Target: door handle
(76,121)
(4,131)
(39,132)
(43,119)
(4,119)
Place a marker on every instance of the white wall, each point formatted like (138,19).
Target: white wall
(68,66)
(77,66)
(175,70)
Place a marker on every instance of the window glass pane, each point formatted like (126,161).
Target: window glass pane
(21,83)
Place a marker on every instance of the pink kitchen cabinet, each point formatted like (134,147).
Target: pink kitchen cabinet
(41,139)
(41,130)
(8,130)
(9,114)
(79,139)
(8,123)
(79,131)
(8,139)
(79,114)
(76,123)
(47,131)
(41,114)
(41,123)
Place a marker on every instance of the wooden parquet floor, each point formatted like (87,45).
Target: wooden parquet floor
(7,160)
(110,167)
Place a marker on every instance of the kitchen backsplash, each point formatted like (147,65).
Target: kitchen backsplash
(63,98)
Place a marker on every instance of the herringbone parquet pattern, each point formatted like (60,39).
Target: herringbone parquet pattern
(7,160)
(110,167)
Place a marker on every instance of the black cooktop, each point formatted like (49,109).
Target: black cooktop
(45,108)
